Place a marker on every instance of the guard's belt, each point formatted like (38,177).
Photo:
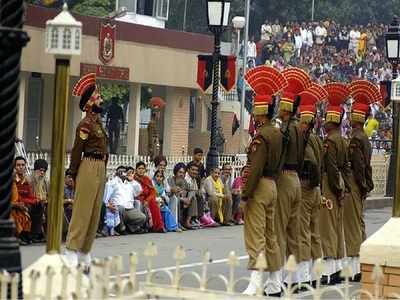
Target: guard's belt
(288,167)
(95,155)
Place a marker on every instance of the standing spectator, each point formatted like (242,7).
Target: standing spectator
(266,31)
(148,197)
(298,42)
(237,186)
(362,44)
(115,124)
(240,83)
(198,155)
(343,39)
(41,191)
(288,50)
(26,199)
(320,34)
(354,39)
(251,53)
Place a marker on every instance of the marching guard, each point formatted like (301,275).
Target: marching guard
(88,165)
(334,183)
(310,178)
(363,93)
(287,218)
(259,195)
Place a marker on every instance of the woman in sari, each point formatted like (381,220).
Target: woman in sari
(163,200)
(148,197)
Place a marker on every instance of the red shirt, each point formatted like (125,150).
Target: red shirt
(25,192)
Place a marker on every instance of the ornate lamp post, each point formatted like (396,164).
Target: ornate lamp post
(395,97)
(218,19)
(63,39)
(392,39)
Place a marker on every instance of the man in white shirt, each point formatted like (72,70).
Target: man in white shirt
(320,34)
(266,31)
(120,192)
(251,53)
(355,35)
(310,38)
(303,34)
(298,43)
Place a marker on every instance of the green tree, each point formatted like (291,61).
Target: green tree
(98,8)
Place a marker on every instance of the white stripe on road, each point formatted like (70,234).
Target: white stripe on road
(187,266)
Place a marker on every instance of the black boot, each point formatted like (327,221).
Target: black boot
(356,278)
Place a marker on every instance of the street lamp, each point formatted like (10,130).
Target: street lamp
(392,39)
(218,19)
(63,39)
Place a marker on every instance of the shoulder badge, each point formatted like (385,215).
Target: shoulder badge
(254,145)
(84,133)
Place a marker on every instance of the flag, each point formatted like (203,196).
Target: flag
(228,71)
(235,124)
(385,88)
(252,127)
(204,71)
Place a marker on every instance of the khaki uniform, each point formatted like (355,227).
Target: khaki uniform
(287,215)
(334,183)
(361,185)
(311,200)
(261,195)
(91,142)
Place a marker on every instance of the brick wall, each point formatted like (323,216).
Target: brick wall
(389,285)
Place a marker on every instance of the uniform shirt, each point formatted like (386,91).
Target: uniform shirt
(313,160)
(263,157)
(360,157)
(90,137)
(294,152)
(336,163)
(122,193)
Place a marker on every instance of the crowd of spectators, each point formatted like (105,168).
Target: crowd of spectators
(135,200)
(329,51)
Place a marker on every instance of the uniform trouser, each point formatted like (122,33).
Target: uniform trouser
(310,246)
(353,215)
(331,225)
(259,227)
(287,214)
(130,218)
(87,205)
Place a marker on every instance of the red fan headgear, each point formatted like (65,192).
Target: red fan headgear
(84,88)
(338,93)
(364,93)
(309,98)
(157,103)
(265,82)
(298,81)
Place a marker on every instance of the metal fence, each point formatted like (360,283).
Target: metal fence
(106,281)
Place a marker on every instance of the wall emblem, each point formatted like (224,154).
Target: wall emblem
(107,40)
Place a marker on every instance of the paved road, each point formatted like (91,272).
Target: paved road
(219,241)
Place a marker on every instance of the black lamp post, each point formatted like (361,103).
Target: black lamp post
(12,40)
(218,19)
(392,39)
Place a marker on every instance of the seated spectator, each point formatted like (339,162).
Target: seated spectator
(163,200)
(148,198)
(193,212)
(122,213)
(41,191)
(20,215)
(237,186)
(27,198)
(179,190)
(227,180)
(69,195)
(214,193)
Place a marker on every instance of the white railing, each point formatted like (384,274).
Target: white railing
(106,281)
